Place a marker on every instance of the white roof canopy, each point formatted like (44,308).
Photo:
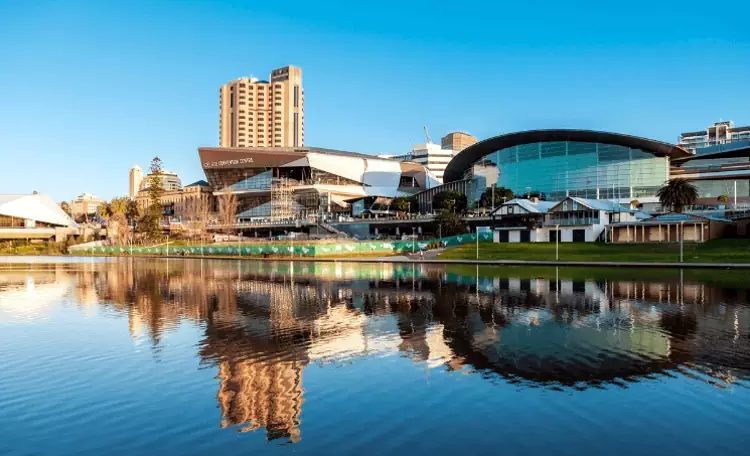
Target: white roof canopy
(37,207)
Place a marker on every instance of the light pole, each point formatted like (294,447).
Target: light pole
(492,209)
(557,242)
(477,236)
(682,238)
(413,238)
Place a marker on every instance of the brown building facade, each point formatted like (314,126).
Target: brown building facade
(256,113)
(457,141)
(184,202)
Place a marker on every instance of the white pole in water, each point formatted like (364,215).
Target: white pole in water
(557,242)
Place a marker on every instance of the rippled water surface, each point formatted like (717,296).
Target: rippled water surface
(123,356)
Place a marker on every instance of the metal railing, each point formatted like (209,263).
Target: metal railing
(573,221)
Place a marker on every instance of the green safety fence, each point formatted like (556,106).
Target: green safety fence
(288,249)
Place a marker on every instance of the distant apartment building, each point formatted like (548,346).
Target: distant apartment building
(85,204)
(135,178)
(259,113)
(457,141)
(169,181)
(719,133)
(433,157)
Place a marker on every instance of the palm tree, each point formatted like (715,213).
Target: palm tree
(677,194)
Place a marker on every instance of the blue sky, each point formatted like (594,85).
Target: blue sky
(88,88)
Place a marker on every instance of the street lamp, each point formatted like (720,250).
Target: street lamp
(477,236)
(557,242)
(413,238)
(682,239)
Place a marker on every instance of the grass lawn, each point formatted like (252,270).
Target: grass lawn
(719,251)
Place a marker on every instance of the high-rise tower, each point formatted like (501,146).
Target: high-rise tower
(256,113)
(135,179)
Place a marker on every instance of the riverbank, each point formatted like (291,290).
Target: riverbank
(725,251)
(414,259)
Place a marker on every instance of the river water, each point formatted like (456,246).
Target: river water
(136,356)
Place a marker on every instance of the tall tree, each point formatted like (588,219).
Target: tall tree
(501,195)
(150,223)
(118,205)
(677,194)
(133,212)
(228,210)
(197,211)
(450,223)
(118,229)
(103,211)
(450,201)
(155,186)
(405,204)
(66,208)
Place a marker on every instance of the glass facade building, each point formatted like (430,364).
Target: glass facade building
(557,169)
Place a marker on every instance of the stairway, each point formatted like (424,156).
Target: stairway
(328,227)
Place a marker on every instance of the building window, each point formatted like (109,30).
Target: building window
(296,129)
(296,96)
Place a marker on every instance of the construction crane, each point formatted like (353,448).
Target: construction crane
(427,134)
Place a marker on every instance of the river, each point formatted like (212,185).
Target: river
(140,356)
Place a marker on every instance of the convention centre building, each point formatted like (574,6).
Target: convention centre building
(282,183)
(555,164)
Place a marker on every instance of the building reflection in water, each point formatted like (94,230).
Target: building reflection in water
(263,323)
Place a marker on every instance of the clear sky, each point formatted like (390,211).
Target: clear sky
(88,88)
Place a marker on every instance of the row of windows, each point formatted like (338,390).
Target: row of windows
(536,151)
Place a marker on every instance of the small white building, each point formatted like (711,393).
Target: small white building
(570,220)
(521,220)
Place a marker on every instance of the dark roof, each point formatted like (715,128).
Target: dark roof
(694,133)
(739,129)
(199,183)
(735,149)
(464,159)
(299,150)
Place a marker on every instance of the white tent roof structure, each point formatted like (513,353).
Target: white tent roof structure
(37,207)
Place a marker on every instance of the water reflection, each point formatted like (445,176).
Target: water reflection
(263,324)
